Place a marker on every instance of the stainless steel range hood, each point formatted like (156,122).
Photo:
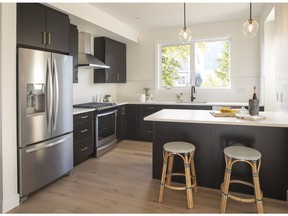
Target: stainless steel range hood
(85,59)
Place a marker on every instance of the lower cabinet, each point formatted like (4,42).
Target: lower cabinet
(138,129)
(83,135)
(121,123)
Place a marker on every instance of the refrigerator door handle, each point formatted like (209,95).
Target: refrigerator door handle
(37,148)
(56,94)
(49,96)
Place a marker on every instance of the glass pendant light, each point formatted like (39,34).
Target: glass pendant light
(185,33)
(250,27)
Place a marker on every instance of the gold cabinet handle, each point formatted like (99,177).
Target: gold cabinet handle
(149,131)
(49,38)
(44,37)
(84,131)
(83,117)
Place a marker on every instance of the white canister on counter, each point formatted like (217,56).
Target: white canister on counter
(141,98)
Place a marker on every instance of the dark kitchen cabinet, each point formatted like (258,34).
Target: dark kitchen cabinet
(138,129)
(41,27)
(73,50)
(121,123)
(83,136)
(113,54)
(131,122)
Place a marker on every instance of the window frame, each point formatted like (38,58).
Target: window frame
(158,69)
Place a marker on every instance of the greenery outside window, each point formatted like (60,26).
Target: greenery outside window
(203,63)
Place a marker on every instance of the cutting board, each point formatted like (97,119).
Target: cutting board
(220,114)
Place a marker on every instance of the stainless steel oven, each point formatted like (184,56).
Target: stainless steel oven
(105,134)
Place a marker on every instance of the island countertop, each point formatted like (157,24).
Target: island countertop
(272,119)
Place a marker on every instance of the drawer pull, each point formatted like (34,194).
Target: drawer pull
(149,131)
(83,117)
(151,108)
(83,131)
(83,149)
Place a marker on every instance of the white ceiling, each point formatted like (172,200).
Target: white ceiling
(151,16)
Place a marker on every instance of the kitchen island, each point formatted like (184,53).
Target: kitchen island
(211,135)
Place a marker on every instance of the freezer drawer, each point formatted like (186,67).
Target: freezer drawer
(43,163)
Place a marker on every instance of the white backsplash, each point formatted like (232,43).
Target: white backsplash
(85,90)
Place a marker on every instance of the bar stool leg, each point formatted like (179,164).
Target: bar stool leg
(193,173)
(257,189)
(188,182)
(165,155)
(170,169)
(226,184)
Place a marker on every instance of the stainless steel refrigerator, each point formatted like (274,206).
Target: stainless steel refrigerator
(45,118)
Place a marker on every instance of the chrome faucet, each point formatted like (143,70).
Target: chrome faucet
(193,90)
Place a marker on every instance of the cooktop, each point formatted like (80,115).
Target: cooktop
(96,105)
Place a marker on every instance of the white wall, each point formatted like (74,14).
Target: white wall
(8,153)
(85,90)
(141,62)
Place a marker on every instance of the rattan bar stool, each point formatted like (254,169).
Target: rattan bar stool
(234,154)
(186,152)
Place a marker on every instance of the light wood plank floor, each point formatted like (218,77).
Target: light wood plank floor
(120,182)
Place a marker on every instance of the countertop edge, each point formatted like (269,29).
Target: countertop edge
(187,117)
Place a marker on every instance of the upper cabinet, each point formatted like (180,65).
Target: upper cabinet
(113,54)
(41,27)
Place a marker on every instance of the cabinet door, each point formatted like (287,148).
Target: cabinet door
(31,24)
(112,53)
(73,50)
(116,59)
(111,59)
(121,123)
(57,27)
(131,122)
(121,64)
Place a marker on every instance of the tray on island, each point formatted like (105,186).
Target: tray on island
(221,114)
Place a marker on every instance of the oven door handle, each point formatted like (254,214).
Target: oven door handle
(106,113)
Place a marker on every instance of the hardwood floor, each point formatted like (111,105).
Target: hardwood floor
(120,182)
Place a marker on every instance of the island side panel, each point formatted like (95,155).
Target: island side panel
(200,135)
(272,142)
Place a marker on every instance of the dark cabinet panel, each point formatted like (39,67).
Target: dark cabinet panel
(112,53)
(83,136)
(57,27)
(131,122)
(145,128)
(83,117)
(121,123)
(83,151)
(73,50)
(41,27)
(146,132)
(82,131)
(31,27)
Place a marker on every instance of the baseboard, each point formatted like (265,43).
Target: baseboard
(10,203)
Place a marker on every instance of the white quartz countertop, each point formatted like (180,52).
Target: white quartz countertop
(81,110)
(238,104)
(272,119)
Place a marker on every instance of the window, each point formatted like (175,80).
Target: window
(175,66)
(210,63)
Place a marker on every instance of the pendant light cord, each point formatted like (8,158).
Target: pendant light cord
(250,10)
(184,15)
